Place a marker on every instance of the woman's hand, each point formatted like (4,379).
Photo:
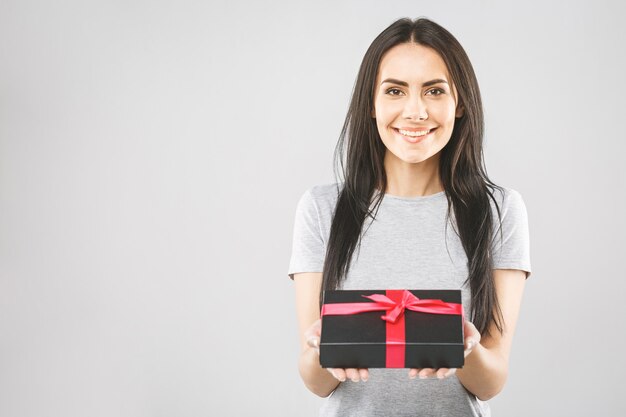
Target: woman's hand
(312,335)
(472,338)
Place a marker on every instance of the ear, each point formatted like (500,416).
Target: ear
(373,113)
(460,111)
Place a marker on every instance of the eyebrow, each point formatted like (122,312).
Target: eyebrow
(405,84)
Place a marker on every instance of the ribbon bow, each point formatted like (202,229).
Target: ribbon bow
(411,302)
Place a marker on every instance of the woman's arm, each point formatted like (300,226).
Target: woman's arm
(486,367)
(317,379)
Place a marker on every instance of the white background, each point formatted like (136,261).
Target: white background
(152,154)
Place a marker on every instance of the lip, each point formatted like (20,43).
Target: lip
(417,139)
(415,129)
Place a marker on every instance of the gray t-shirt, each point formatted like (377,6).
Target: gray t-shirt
(407,246)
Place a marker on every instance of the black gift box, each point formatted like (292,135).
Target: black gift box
(359,340)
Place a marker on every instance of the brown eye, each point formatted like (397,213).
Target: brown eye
(394,92)
(435,91)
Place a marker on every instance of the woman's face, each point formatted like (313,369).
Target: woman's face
(414,104)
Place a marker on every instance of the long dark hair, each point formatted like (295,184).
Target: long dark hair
(463,174)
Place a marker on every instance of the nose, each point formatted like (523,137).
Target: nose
(415,109)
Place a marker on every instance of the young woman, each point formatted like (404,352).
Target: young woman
(416,210)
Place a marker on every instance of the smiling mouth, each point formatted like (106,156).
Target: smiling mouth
(413,135)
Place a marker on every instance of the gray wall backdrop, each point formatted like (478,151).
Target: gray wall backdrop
(152,154)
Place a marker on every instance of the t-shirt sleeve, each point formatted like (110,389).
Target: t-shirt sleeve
(511,249)
(308,248)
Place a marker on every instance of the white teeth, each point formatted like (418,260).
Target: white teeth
(413,134)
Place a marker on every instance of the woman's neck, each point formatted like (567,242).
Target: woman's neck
(413,180)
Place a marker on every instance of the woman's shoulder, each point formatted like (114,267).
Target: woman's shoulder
(325,191)
(510,213)
(507,199)
(321,196)
(316,207)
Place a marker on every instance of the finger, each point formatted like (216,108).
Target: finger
(314,330)
(470,343)
(317,327)
(471,331)
(425,372)
(338,373)
(413,373)
(353,374)
(365,375)
(314,342)
(441,373)
(450,372)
